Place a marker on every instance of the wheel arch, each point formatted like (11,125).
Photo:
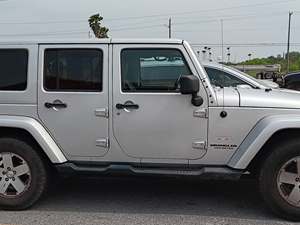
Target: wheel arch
(257,144)
(279,137)
(28,129)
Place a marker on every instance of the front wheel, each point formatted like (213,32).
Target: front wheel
(280,180)
(23,176)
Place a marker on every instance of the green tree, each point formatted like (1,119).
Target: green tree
(95,25)
(294,61)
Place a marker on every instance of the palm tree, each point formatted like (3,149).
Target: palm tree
(95,25)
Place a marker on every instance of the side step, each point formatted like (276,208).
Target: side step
(224,173)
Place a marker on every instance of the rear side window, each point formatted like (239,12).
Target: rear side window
(152,70)
(13,69)
(73,70)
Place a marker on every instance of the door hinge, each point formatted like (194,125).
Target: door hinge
(103,143)
(199,145)
(102,112)
(201,113)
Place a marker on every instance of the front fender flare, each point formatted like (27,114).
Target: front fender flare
(259,135)
(38,132)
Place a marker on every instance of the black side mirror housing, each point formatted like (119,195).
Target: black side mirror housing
(189,85)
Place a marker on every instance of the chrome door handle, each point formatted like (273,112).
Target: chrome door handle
(127,106)
(55,105)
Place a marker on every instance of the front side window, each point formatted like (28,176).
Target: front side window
(152,70)
(220,78)
(73,70)
(13,69)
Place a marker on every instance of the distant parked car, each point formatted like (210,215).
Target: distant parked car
(292,81)
(226,76)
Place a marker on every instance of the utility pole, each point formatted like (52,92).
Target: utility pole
(170,27)
(222,39)
(288,42)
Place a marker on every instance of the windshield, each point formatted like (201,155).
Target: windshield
(222,78)
(243,74)
(247,75)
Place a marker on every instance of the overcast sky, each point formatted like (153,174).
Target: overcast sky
(198,21)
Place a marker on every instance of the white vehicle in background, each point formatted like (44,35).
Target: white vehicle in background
(225,76)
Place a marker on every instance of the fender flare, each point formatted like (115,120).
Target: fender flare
(38,132)
(259,135)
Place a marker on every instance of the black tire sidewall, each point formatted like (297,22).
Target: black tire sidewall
(38,174)
(268,179)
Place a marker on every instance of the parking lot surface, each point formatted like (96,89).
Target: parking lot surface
(145,201)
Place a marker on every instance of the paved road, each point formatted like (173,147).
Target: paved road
(147,201)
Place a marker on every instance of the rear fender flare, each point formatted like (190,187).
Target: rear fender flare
(38,132)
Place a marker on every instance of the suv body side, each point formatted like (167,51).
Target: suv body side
(138,107)
(89,130)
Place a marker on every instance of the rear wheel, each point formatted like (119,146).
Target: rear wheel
(280,180)
(23,176)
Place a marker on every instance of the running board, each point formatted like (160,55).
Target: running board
(224,173)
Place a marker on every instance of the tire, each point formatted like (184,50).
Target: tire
(22,185)
(281,192)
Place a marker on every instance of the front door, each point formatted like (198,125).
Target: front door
(151,119)
(73,97)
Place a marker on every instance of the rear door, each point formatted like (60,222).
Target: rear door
(73,97)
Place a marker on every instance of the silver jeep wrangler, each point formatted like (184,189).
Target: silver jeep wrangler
(140,107)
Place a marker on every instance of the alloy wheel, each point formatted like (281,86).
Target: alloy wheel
(15,175)
(288,181)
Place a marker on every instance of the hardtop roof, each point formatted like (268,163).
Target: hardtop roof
(88,41)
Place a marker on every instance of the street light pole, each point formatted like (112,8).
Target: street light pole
(204,55)
(288,42)
(209,54)
(249,55)
(198,52)
(228,55)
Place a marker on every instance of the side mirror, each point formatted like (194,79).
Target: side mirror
(189,85)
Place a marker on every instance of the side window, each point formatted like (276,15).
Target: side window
(13,69)
(73,70)
(152,70)
(221,78)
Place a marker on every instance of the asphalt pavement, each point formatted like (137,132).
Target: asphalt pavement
(148,200)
